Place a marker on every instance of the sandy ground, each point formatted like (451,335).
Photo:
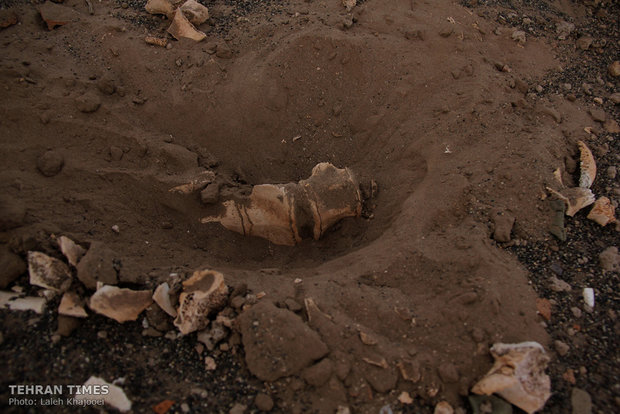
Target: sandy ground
(459,125)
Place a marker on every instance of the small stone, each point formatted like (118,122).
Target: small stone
(238,409)
(319,373)
(55,15)
(88,103)
(558,285)
(603,212)
(581,401)
(561,348)
(211,194)
(7,18)
(544,308)
(237,302)
(115,229)
(584,42)
(210,364)
(611,126)
(443,407)
(181,27)
(405,398)
(448,372)
(612,172)
(518,36)
(72,305)
(576,312)
(446,30)
(539,88)
(610,259)
(50,163)
(598,114)
(504,221)
(162,298)
(97,265)
(614,69)
(615,97)
(588,297)
(263,402)
(569,376)
(185,408)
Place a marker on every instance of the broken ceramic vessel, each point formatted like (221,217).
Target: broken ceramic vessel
(162,298)
(518,375)
(287,213)
(203,293)
(120,304)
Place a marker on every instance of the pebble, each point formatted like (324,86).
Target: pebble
(210,364)
(238,409)
(598,114)
(581,401)
(588,297)
(519,36)
(102,334)
(443,407)
(612,172)
(576,312)
(50,163)
(615,98)
(558,285)
(610,259)
(539,88)
(561,348)
(504,222)
(88,103)
(614,69)
(263,402)
(185,408)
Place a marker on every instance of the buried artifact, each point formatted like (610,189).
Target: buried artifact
(287,213)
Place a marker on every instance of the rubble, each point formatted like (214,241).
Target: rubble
(162,298)
(518,375)
(72,251)
(120,304)
(603,212)
(202,294)
(287,213)
(48,272)
(72,305)
(14,302)
(115,397)
(182,28)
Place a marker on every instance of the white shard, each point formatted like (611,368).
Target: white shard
(120,304)
(588,297)
(14,302)
(587,166)
(115,396)
(72,305)
(518,375)
(72,251)
(203,293)
(162,298)
(48,272)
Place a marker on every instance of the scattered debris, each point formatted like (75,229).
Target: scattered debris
(14,302)
(115,397)
(120,304)
(72,305)
(163,407)
(603,212)
(48,272)
(275,211)
(72,251)
(203,293)
(162,298)
(518,375)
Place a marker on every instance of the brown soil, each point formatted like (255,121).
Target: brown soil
(433,100)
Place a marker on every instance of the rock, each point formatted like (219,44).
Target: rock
(443,407)
(518,375)
(581,401)
(598,114)
(504,221)
(210,364)
(286,213)
(544,308)
(319,373)
(66,325)
(277,342)
(238,409)
(88,103)
(195,12)
(574,198)
(50,163)
(115,397)
(612,171)
(72,251)
(603,212)
(584,42)
(611,126)
(106,85)
(72,305)
(405,398)
(518,36)
(14,302)
(564,29)
(120,304)
(610,259)
(587,166)
(410,370)
(162,298)
(483,404)
(615,97)
(588,297)
(55,15)
(181,28)
(614,69)
(293,305)
(576,312)
(48,272)
(558,285)
(203,293)
(97,265)
(12,266)
(211,194)
(263,402)
(561,348)
(164,7)
(448,372)
(7,18)
(367,339)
